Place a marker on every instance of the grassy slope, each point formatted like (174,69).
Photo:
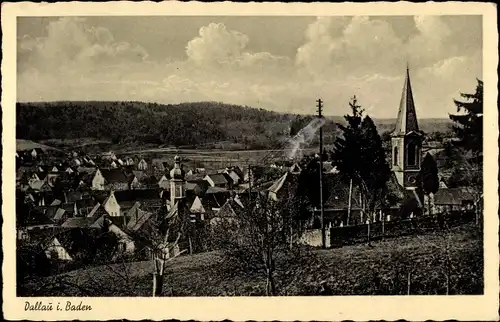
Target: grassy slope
(354,270)
(22,145)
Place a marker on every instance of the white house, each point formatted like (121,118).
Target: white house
(98,181)
(142,165)
(197,206)
(54,250)
(111,205)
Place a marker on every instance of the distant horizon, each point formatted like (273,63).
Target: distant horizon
(278,63)
(243,106)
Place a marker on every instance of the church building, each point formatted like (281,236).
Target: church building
(407,141)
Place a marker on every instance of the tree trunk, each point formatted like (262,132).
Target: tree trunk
(270,287)
(159,264)
(369,232)
(349,204)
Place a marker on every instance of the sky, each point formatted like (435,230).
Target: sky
(277,63)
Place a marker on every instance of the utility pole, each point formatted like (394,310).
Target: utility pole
(323,231)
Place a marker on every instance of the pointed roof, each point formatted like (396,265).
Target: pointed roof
(407,116)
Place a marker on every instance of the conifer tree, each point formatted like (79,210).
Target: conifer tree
(430,180)
(469,126)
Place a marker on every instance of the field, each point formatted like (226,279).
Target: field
(22,145)
(415,264)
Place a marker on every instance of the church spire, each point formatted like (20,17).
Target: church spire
(407,116)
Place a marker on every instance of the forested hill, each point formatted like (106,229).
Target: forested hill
(179,125)
(185,124)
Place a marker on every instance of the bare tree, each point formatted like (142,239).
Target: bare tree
(256,235)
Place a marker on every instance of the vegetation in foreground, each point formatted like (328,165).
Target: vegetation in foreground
(438,263)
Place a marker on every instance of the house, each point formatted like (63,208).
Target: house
(52,177)
(164,182)
(220,180)
(72,196)
(295,168)
(197,206)
(108,156)
(135,183)
(213,201)
(40,186)
(235,177)
(148,198)
(76,162)
(106,179)
(129,161)
(229,212)
(451,199)
(142,165)
(70,209)
(287,183)
(56,202)
(35,220)
(157,164)
(113,165)
(84,206)
(78,222)
(56,251)
(111,205)
(140,175)
(137,220)
(98,211)
(36,152)
(111,225)
(55,213)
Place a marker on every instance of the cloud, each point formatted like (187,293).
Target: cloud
(216,44)
(340,57)
(69,41)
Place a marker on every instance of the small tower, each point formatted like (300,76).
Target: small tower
(177,182)
(407,140)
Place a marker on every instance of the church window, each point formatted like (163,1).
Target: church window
(412,154)
(395,157)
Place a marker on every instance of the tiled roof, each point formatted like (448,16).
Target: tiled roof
(219,178)
(72,196)
(78,222)
(136,195)
(453,196)
(114,176)
(216,190)
(85,203)
(137,220)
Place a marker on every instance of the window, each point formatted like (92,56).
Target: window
(412,154)
(395,156)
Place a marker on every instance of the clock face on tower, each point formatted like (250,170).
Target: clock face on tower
(412,179)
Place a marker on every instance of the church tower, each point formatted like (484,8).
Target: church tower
(407,140)
(177,182)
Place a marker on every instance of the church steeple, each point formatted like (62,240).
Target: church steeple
(177,182)
(407,116)
(407,140)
